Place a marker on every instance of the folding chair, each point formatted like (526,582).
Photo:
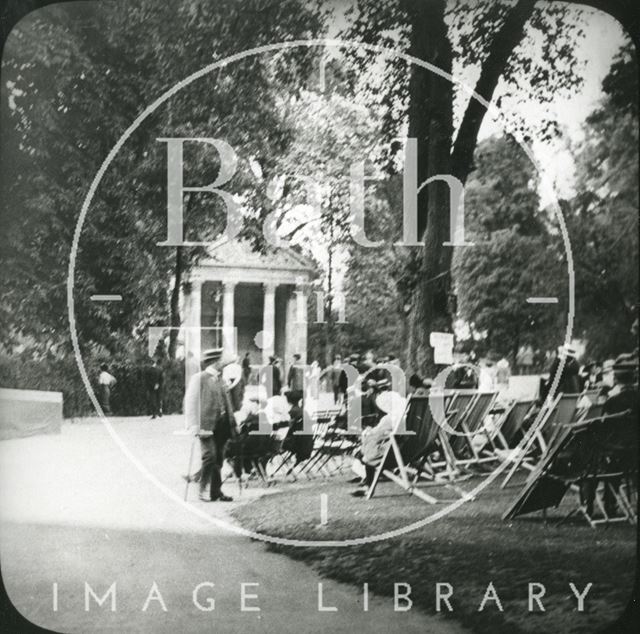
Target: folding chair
(509,428)
(457,406)
(614,469)
(565,412)
(407,449)
(522,452)
(566,463)
(472,426)
(326,442)
(250,454)
(582,456)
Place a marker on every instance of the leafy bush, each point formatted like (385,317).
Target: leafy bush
(61,374)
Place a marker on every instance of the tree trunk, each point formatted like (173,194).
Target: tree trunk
(329,342)
(502,45)
(430,122)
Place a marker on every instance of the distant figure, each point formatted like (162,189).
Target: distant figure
(487,376)
(418,386)
(503,372)
(277,376)
(105,382)
(591,376)
(569,379)
(246,368)
(524,359)
(295,376)
(233,378)
(313,390)
(338,380)
(462,377)
(155,386)
(368,361)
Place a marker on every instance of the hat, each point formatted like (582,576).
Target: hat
(567,349)
(391,403)
(277,409)
(608,364)
(213,354)
(626,362)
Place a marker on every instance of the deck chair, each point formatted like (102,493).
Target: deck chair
(592,411)
(565,412)
(510,427)
(402,451)
(458,404)
(614,470)
(566,463)
(521,455)
(472,425)
(583,453)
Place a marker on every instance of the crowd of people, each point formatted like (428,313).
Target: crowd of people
(224,416)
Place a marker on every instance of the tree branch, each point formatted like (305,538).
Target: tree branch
(507,38)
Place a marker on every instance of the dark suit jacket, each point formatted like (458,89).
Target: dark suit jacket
(627,430)
(569,382)
(216,413)
(295,378)
(625,399)
(155,376)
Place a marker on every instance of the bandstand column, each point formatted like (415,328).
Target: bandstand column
(300,325)
(192,335)
(269,322)
(228,317)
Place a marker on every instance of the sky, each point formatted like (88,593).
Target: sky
(603,38)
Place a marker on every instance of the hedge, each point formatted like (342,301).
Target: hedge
(61,374)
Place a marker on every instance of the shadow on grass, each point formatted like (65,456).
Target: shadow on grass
(468,549)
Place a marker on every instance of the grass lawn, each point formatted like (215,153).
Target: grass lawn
(468,549)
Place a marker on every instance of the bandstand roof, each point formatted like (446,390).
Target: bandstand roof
(237,261)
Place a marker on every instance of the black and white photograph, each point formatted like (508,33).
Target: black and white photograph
(319,316)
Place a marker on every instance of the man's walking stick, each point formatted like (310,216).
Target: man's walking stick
(193,445)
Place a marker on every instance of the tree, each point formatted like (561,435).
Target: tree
(75,78)
(497,38)
(603,215)
(310,193)
(517,253)
(376,298)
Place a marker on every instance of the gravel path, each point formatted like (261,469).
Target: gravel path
(75,510)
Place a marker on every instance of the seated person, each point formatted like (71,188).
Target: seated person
(301,445)
(419,386)
(248,448)
(623,399)
(369,412)
(373,444)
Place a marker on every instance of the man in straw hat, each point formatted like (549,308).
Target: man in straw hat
(212,415)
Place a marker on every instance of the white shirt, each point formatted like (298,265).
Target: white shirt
(106,379)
